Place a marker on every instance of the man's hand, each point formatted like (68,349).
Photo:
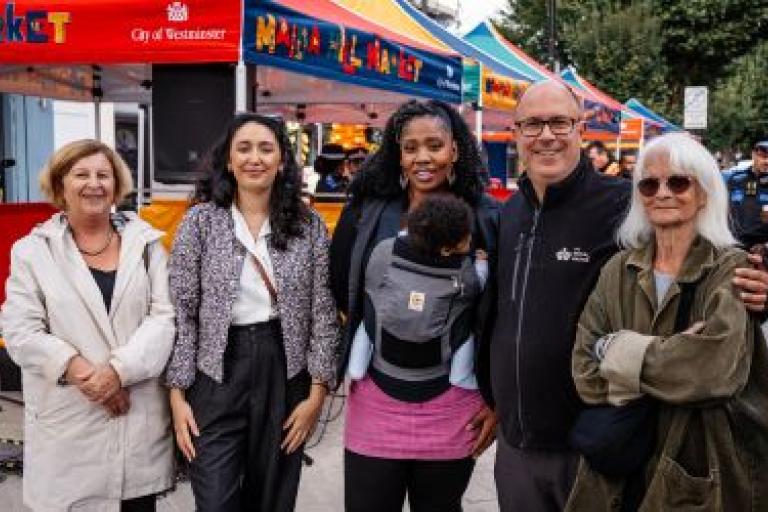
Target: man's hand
(484,422)
(753,284)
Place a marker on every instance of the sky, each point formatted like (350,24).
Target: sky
(474,11)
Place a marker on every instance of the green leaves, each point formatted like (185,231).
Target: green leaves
(652,49)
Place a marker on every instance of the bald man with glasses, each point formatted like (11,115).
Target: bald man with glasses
(554,237)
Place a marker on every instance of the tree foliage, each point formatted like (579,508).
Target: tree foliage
(653,49)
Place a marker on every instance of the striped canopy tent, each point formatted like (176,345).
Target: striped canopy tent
(497,84)
(603,114)
(636,106)
(645,125)
(320,61)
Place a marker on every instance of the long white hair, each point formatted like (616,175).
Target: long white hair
(689,157)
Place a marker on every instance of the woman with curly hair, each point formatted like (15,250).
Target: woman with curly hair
(254,352)
(408,436)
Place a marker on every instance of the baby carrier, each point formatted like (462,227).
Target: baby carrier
(417,312)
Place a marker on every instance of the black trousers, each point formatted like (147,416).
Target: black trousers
(533,480)
(239,464)
(380,485)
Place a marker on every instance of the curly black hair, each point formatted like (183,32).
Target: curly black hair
(380,175)
(287,212)
(440,221)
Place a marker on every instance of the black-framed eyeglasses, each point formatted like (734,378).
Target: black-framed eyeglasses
(558,125)
(676,183)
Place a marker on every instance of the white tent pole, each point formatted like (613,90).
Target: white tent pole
(479,111)
(241,103)
(240,87)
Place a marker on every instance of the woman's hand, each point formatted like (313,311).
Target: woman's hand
(183,423)
(303,418)
(78,370)
(102,385)
(119,404)
(485,420)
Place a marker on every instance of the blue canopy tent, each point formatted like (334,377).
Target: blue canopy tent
(335,65)
(635,105)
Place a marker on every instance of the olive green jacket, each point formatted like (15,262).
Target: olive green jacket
(712,449)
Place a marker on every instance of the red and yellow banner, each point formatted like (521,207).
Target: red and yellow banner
(118,31)
(632,128)
(501,92)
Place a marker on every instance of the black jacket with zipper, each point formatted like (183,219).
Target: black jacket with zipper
(550,255)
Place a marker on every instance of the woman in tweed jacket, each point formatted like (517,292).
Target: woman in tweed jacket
(257,332)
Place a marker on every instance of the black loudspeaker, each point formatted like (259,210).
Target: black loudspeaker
(191,107)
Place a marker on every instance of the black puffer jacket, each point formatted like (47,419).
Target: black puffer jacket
(550,255)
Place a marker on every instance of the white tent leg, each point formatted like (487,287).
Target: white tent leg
(241,104)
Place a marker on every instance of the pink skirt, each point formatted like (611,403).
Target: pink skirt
(378,425)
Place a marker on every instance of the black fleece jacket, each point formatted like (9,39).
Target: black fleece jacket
(549,257)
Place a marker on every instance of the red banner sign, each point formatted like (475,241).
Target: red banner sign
(114,31)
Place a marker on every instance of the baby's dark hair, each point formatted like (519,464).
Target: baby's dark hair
(440,221)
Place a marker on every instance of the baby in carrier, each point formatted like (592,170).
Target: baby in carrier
(420,289)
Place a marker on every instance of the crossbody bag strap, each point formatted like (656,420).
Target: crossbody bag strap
(267,281)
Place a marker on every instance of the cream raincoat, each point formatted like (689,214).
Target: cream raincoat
(75,456)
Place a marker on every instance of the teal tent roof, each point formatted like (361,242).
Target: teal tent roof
(461,46)
(636,106)
(485,38)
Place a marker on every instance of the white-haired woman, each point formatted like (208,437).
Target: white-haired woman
(666,356)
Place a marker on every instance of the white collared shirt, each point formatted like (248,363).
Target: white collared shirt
(253,303)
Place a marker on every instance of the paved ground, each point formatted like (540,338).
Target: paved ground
(321,484)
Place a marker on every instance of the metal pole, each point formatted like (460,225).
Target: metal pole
(151,150)
(140,120)
(97,117)
(552,17)
(479,108)
(240,87)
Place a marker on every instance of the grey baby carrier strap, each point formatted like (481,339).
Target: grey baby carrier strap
(415,308)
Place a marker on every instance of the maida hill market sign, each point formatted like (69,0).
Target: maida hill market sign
(116,31)
(277,36)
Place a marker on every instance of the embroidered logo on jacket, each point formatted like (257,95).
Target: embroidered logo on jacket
(575,254)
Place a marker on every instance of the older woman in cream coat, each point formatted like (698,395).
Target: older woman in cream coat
(97,425)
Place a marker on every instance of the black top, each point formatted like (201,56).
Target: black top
(105,280)
(551,254)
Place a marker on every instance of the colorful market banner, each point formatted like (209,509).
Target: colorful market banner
(275,35)
(116,31)
(501,92)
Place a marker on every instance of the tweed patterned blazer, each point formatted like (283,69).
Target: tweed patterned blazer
(204,271)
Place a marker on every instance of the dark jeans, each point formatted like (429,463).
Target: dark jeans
(142,504)
(239,463)
(380,485)
(532,480)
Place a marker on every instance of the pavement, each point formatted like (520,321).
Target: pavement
(321,488)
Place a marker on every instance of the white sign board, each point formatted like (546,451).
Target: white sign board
(695,113)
